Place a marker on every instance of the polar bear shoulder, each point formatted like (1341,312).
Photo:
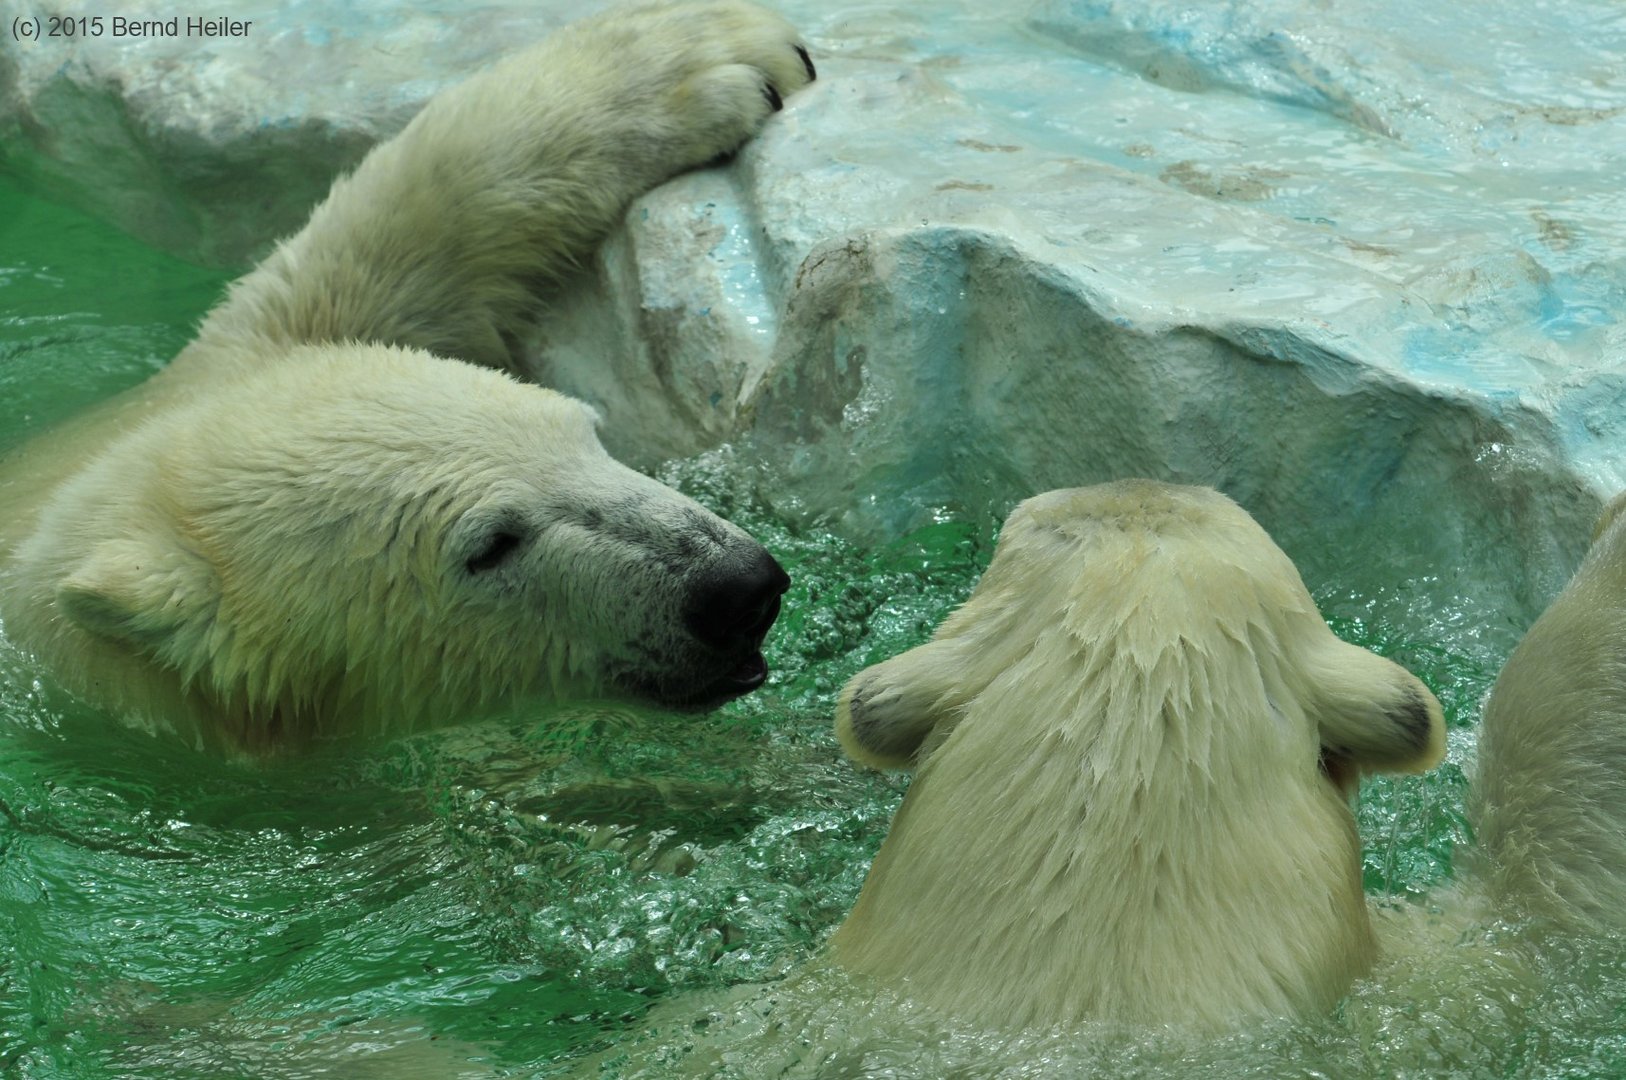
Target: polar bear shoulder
(1548,802)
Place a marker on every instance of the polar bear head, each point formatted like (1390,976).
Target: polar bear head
(367,536)
(1146,568)
(1130,742)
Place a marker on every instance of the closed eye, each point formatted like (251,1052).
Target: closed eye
(500,545)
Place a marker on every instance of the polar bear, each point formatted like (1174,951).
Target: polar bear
(1130,831)
(1548,803)
(1135,745)
(327,515)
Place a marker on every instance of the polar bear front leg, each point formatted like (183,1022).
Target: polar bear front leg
(444,236)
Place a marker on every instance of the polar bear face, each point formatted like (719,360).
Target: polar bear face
(379,533)
(1133,743)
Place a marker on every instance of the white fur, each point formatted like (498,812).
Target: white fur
(1549,795)
(271,539)
(1128,830)
(442,236)
(1128,807)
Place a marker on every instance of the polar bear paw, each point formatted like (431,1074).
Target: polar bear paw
(698,78)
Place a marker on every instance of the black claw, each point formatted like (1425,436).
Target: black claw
(807,62)
(773,96)
(725,158)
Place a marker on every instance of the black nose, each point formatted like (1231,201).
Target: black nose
(737,601)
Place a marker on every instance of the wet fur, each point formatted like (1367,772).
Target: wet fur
(1121,810)
(281,535)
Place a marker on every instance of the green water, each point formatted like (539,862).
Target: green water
(84,311)
(503,897)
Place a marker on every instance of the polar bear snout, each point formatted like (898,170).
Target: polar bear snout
(735,602)
(728,612)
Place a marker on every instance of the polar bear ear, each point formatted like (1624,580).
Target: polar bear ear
(891,715)
(1372,712)
(134,591)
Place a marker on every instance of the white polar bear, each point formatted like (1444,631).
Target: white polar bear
(1548,802)
(1130,828)
(322,517)
(1135,743)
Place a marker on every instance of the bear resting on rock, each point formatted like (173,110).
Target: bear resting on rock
(328,515)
